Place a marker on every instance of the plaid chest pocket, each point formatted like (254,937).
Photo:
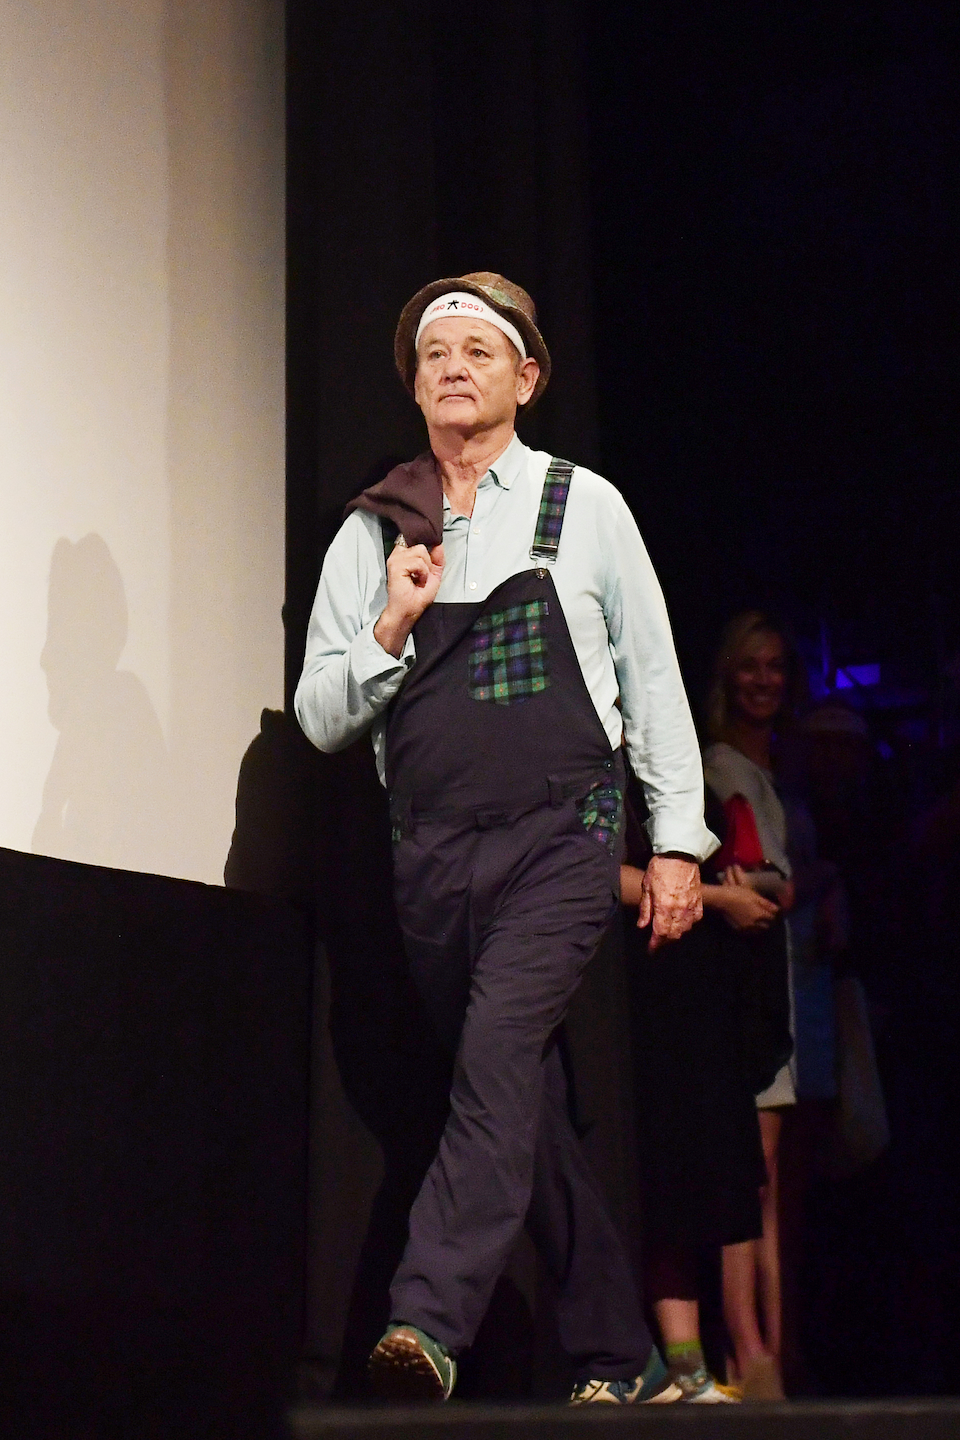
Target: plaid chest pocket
(601,812)
(508,654)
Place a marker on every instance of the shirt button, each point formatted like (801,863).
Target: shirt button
(476,529)
(473,584)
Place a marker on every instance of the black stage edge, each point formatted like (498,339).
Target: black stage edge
(808,1420)
(153,1100)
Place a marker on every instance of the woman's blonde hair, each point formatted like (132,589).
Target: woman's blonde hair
(740,636)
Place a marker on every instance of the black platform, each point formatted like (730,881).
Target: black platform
(153,1096)
(809,1420)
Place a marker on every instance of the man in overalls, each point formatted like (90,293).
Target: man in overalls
(492,617)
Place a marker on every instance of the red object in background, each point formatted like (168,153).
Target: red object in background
(741,845)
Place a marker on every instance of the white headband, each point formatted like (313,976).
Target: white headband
(458,303)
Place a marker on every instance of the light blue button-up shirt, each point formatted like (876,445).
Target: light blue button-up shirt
(611,601)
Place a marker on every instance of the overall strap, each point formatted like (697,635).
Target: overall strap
(553,503)
(389,530)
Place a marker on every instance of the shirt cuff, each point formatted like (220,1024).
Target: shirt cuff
(369,660)
(667,833)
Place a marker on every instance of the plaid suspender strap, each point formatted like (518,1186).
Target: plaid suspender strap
(389,530)
(553,502)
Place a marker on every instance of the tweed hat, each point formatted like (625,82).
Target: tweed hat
(510,300)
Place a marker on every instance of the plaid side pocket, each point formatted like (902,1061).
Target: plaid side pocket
(601,812)
(508,654)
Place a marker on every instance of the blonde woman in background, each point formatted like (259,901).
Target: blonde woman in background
(756,690)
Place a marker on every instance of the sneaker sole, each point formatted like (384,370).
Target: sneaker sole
(669,1395)
(400,1369)
(732,1392)
(712,1395)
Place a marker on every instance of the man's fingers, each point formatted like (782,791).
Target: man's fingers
(662,932)
(670,925)
(666,934)
(646,908)
(418,565)
(672,896)
(402,552)
(418,572)
(403,561)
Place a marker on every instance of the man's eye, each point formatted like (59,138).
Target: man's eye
(478,351)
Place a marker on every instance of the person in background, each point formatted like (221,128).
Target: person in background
(697,1067)
(858,936)
(860,825)
(757,692)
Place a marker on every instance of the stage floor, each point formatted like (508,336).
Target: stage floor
(806,1420)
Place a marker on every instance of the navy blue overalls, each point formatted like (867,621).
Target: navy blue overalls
(507,808)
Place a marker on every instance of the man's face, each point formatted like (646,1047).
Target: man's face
(470,377)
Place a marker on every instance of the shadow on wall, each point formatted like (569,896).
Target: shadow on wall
(104,801)
(313,829)
(224,444)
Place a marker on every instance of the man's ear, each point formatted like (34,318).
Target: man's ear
(527,377)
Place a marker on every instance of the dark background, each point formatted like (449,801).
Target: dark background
(736,222)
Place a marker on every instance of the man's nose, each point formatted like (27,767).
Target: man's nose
(454,368)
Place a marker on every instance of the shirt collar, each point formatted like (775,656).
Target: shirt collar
(507,466)
(504,469)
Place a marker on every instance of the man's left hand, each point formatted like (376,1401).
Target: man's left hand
(670,898)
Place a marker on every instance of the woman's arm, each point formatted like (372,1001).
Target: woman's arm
(631,885)
(741,907)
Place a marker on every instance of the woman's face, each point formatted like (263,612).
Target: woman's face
(759,680)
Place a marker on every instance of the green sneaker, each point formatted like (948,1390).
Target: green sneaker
(653,1387)
(409,1365)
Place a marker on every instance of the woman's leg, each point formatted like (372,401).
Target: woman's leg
(751,1271)
(671,1280)
(740,1307)
(768,1246)
(670,1275)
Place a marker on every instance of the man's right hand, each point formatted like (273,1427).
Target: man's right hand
(413,579)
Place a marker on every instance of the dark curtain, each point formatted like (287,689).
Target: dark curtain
(741,220)
(420,147)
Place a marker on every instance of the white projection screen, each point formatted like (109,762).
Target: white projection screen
(141,421)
